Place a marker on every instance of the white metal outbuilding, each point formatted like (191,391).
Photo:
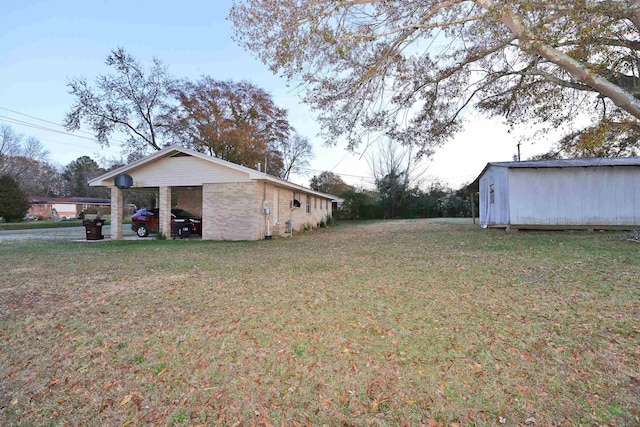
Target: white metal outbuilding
(590,193)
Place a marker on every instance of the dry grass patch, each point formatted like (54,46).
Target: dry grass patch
(390,323)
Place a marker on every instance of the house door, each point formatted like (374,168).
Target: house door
(487,203)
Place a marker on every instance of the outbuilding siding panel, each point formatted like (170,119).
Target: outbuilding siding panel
(574,196)
(494,209)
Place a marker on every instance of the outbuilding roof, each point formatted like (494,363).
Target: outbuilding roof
(587,162)
(569,163)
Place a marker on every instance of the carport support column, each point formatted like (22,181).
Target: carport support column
(165,211)
(116,213)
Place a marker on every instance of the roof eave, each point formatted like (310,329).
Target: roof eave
(165,152)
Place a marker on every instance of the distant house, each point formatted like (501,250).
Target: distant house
(592,193)
(50,207)
(234,202)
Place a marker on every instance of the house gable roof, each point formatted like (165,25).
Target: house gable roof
(177,151)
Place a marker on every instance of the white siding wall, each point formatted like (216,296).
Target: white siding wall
(494,211)
(183,171)
(575,196)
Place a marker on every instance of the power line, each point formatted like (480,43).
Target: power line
(40,119)
(40,127)
(370,178)
(337,173)
(20,123)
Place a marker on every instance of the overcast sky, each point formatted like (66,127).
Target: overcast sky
(45,43)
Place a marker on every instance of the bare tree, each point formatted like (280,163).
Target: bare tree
(295,151)
(130,100)
(396,170)
(40,178)
(18,153)
(10,146)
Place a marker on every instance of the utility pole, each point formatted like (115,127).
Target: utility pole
(518,151)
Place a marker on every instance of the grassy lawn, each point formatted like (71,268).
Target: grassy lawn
(383,323)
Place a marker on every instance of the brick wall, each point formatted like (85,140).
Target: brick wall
(164,206)
(319,208)
(189,199)
(231,211)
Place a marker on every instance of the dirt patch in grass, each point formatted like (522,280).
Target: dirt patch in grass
(388,323)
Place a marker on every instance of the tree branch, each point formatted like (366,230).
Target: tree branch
(579,71)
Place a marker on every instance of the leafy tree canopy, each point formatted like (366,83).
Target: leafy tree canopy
(330,183)
(238,122)
(410,69)
(76,176)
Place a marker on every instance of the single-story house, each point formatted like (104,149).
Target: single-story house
(70,207)
(588,193)
(235,202)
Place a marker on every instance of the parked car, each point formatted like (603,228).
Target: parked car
(147,221)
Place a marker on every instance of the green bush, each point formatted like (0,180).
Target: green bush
(329,221)
(13,202)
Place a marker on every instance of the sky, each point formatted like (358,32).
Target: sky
(44,44)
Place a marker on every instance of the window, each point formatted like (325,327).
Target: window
(321,203)
(308,204)
(315,203)
(294,203)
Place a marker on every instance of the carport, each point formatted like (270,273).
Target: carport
(187,198)
(235,202)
